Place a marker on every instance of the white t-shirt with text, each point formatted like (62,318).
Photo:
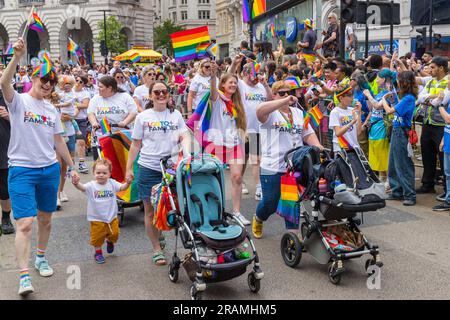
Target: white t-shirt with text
(251,98)
(102,200)
(338,118)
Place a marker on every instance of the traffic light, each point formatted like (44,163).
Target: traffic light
(421,38)
(348,11)
(103,49)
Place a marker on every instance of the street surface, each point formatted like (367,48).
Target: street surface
(414,244)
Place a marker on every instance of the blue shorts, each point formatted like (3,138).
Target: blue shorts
(33,189)
(147,178)
(71,143)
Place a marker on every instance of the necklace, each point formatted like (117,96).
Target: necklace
(289,119)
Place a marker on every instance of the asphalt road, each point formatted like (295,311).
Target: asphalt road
(414,244)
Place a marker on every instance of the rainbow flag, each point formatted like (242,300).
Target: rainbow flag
(135,57)
(185,42)
(115,147)
(202,50)
(344,144)
(200,121)
(245,11)
(44,68)
(306,119)
(105,126)
(293,82)
(259,7)
(36,23)
(189,172)
(318,74)
(72,46)
(272,30)
(289,198)
(316,116)
(9,49)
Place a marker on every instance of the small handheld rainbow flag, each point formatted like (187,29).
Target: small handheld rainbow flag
(36,23)
(104,124)
(202,114)
(272,30)
(212,50)
(45,67)
(135,57)
(9,50)
(316,116)
(344,144)
(293,82)
(202,50)
(189,172)
(185,42)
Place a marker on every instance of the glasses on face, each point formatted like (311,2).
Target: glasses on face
(46,80)
(80,81)
(207,67)
(120,77)
(151,74)
(282,93)
(160,92)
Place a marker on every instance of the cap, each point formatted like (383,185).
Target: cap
(309,22)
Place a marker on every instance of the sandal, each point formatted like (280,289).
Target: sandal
(159,258)
(162,241)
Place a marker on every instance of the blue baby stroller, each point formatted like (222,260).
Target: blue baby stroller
(216,240)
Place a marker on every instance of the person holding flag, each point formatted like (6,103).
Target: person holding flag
(345,121)
(282,128)
(33,166)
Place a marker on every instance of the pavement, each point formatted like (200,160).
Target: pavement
(414,244)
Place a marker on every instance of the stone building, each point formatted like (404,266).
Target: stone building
(78,19)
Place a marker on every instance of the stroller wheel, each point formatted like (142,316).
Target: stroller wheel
(291,249)
(253,283)
(173,273)
(334,278)
(195,295)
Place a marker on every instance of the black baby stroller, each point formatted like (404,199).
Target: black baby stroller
(332,193)
(217,241)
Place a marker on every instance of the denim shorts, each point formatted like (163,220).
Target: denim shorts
(71,143)
(33,189)
(146,179)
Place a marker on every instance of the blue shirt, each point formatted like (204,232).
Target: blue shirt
(134,79)
(447,135)
(359,95)
(404,111)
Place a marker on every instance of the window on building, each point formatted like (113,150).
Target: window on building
(184,15)
(184,2)
(204,14)
(203,1)
(174,16)
(174,2)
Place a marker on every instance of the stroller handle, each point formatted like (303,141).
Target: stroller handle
(325,151)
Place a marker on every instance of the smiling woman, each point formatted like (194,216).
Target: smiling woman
(33,167)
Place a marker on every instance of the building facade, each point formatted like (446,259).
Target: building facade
(187,13)
(78,19)
(230,28)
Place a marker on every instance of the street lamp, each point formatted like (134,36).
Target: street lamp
(104,32)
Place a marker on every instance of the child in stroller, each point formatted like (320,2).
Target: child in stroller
(216,241)
(333,192)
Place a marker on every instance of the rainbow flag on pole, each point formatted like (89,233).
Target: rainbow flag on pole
(245,11)
(36,23)
(316,116)
(200,121)
(259,7)
(185,42)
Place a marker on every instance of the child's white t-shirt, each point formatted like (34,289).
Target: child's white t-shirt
(338,118)
(102,200)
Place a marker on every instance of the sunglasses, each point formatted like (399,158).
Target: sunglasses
(282,93)
(207,67)
(80,81)
(151,74)
(159,92)
(45,80)
(120,77)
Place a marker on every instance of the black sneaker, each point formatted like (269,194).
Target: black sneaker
(423,190)
(7,227)
(441,197)
(442,207)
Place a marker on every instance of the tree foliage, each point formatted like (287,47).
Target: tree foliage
(161,35)
(116,40)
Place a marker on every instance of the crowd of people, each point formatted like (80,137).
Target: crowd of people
(257,116)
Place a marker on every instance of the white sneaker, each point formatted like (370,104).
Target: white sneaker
(258,193)
(44,269)
(242,219)
(244,189)
(63,197)
(25,287)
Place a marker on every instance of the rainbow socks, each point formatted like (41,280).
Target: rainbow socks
(40,255)
(24,273)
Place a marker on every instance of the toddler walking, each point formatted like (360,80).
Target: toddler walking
(102,207)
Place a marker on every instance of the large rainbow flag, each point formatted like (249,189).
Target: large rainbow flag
(259,7)
(185,42)
(115,147)
(245,11)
